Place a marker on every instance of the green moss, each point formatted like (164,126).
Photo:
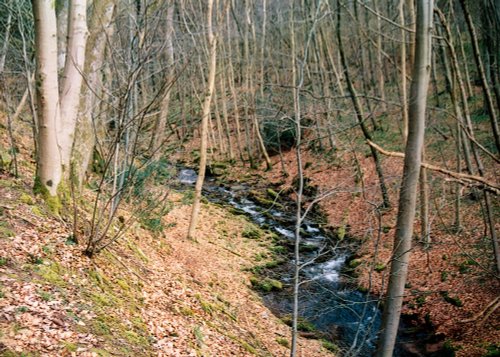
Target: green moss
(455,301)
(186,311)
(27,199)
(100,352)
(272,194)
(6,231)
(53,274)
(70,346)
(354,263)
(283,342)
(248,347)
(330,346)
(251,232)
(266,284)
(379,267)
(492,350)
(279,249)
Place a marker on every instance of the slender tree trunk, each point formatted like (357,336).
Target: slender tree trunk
(408,191)
(482,74)
(212,45)
(360,115)
(161,123)
(72,79)
(404,98)
(90,123)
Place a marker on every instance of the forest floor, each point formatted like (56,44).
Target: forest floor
(450,285)
(146,295)
(161,294)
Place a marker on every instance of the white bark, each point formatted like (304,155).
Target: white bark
(49,169)
(72,78)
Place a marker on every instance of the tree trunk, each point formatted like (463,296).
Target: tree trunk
(49,168)
(212,45)
(161,123)
(72,79)
(408,191)
(91,125)
(360,116)
(480,67)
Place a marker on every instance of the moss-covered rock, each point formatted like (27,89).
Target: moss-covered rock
(266,284)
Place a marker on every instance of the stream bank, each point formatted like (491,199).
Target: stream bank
(332,307)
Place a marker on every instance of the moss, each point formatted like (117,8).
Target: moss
(455,301)
(330,346)
(279,249)
(27,199)
(53,274)
(354,263)
(379,267)
(100,352)
(272,194)
(492,350)
(302,324)
(70,346)
(251,232)
(138,252)
(248,347)
(6,231)
(266,284)
(283,342)
(186,311)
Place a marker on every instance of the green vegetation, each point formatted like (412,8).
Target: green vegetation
(266,284)
(455,301)
(283,342)
(330,346)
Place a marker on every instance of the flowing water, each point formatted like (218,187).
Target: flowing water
(338,310)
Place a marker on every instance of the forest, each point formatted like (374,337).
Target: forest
(249,178)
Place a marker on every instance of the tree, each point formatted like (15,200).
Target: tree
(408,191)
(57,110)
(212,45)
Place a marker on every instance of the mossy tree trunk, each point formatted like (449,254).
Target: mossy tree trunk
(57,110)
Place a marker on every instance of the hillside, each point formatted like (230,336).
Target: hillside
(145,295)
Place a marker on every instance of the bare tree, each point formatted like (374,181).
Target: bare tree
(212,45)
(408,191)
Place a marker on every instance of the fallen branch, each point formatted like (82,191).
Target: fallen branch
(465,179)
(492,306)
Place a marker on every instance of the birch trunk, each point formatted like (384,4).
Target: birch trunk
(89,125)
(72,79)
(49,169)
(408,191)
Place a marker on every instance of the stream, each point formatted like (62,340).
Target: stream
(337,309)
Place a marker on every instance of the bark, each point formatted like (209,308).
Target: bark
(90,124)
(161,123)
(404,98)
(408,191)
(72,78)
(212,45)
(49,168)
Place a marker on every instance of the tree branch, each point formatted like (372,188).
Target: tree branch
(465,179)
